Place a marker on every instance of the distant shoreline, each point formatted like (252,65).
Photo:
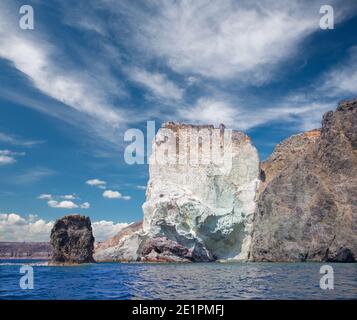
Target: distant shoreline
(24,258)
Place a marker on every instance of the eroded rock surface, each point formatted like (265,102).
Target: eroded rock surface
(307,206)
(122,247)
(193,199)
(72,240)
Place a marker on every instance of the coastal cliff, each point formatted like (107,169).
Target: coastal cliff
(200,198)
(197,199)
(307,207)
(299,205)
(25,250)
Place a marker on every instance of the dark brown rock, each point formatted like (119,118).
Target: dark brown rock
(72,240)
(162,249)
(307,205)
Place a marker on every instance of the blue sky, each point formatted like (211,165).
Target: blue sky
(90,70)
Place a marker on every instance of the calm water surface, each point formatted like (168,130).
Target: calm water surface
(178,281)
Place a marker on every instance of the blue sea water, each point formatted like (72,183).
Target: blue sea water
(177,281)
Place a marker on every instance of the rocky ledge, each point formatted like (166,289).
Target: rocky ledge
(72,240)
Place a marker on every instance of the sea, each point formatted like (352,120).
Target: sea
(176,281)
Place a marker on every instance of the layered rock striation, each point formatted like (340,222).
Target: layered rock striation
(307,208)
(72,240)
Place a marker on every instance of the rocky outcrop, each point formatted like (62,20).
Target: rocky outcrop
(122,247)
(72,240)
(200,199)
(201,192)
(307,208)
(299,205)
(161,249)
(25,250)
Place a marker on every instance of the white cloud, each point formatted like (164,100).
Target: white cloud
(62,204)
(85,205)
(210,111)
(302,112)
(69,197)
(96,182)
(157,83)
(225,39)
(5,159)
(114,195)
(14,227)
(45,196)
(141,187)
(72,89)
(9,157)
(65,204)
(104,229)
(83,95)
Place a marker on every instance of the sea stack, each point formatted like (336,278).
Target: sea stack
(72,240)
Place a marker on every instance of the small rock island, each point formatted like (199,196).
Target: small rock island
(72,240)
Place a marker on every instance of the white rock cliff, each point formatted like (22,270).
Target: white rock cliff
(200,199)
(201,192)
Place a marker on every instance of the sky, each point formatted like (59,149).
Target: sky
(90,70)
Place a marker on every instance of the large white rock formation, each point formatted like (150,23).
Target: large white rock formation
(201,192)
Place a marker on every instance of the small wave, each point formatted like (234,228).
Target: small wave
(33,264)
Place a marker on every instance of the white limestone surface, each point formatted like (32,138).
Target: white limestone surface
(201,191)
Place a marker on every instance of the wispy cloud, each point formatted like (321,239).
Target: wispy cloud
(18,141)
(9,157)
(45,196)
(226,39)
(89,91)
(341,79)
(32,175)
(303,113)
(157,83)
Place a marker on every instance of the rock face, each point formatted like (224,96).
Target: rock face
(162,249)
(200,196)
(72,240)
(307,205)
(122,247)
